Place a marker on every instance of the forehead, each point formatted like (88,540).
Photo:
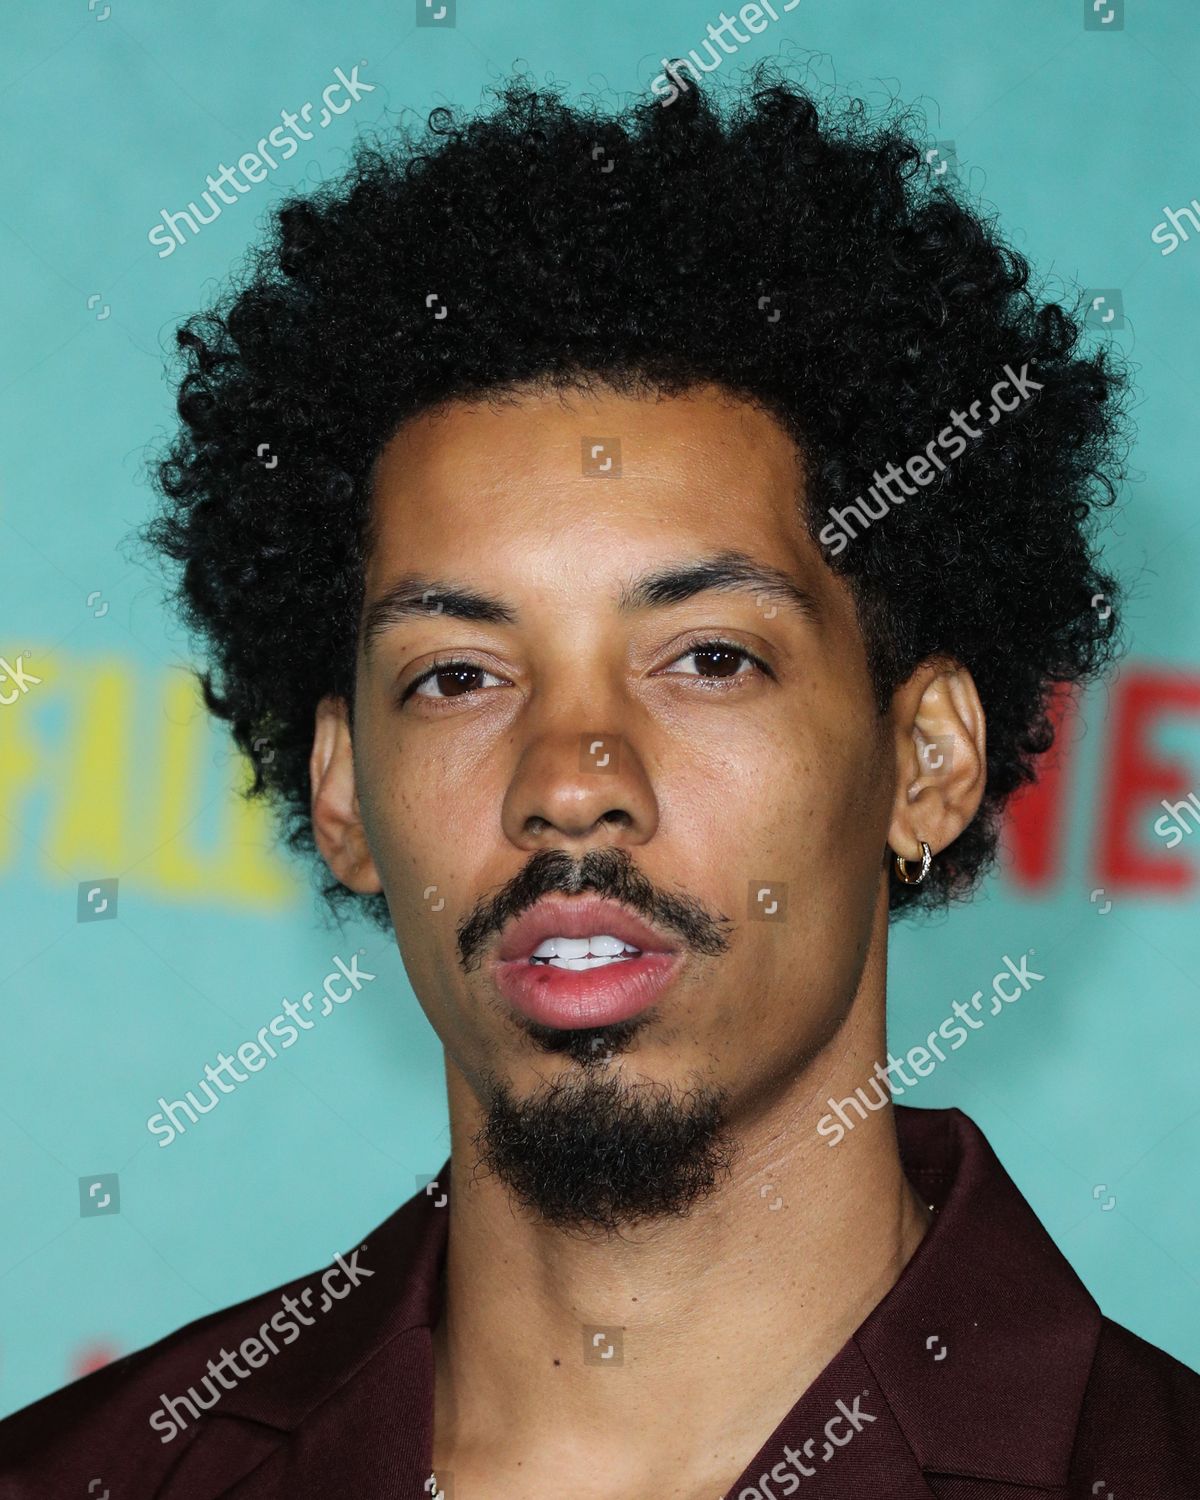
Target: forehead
(571,472)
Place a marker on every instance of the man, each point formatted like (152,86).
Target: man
(638,554)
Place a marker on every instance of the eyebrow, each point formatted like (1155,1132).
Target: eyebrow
(416,594)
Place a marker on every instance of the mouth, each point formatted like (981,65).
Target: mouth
(582,961)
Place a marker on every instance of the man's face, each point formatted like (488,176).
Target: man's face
(582,747)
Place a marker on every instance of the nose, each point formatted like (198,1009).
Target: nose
(580,788)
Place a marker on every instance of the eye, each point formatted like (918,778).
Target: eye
(450,678)
(717,661)
(724,658)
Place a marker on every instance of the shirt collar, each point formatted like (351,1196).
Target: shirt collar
(984,1345)
(980,1352)
(404,1255)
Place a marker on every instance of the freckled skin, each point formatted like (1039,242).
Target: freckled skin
(792,779)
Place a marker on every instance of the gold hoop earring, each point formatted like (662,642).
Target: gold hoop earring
(902,866)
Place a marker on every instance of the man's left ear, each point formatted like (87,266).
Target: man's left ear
(941,757)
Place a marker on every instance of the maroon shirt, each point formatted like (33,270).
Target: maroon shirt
(986,1373)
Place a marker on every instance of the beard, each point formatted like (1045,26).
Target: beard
(594,1153)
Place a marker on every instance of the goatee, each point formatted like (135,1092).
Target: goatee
(593,1152)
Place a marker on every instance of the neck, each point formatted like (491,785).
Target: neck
(724,1317)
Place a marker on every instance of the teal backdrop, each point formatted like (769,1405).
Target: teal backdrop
(148,921)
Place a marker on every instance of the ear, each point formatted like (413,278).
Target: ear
(337,822)
(941,757)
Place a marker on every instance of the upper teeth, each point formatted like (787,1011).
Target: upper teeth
(577,951)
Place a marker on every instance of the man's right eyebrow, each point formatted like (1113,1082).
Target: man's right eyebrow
(415,594)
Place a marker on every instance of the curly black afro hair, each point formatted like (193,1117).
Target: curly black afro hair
(569,246)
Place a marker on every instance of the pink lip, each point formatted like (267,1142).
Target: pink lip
(585,997)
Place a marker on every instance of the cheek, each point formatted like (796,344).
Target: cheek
(808,795)
(432,824)
(794,840)
(841,772)
(420,795)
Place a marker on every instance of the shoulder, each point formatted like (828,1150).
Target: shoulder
(199,1409)
(1139,1426)
(99,1427)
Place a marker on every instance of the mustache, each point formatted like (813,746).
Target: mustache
(609,873)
